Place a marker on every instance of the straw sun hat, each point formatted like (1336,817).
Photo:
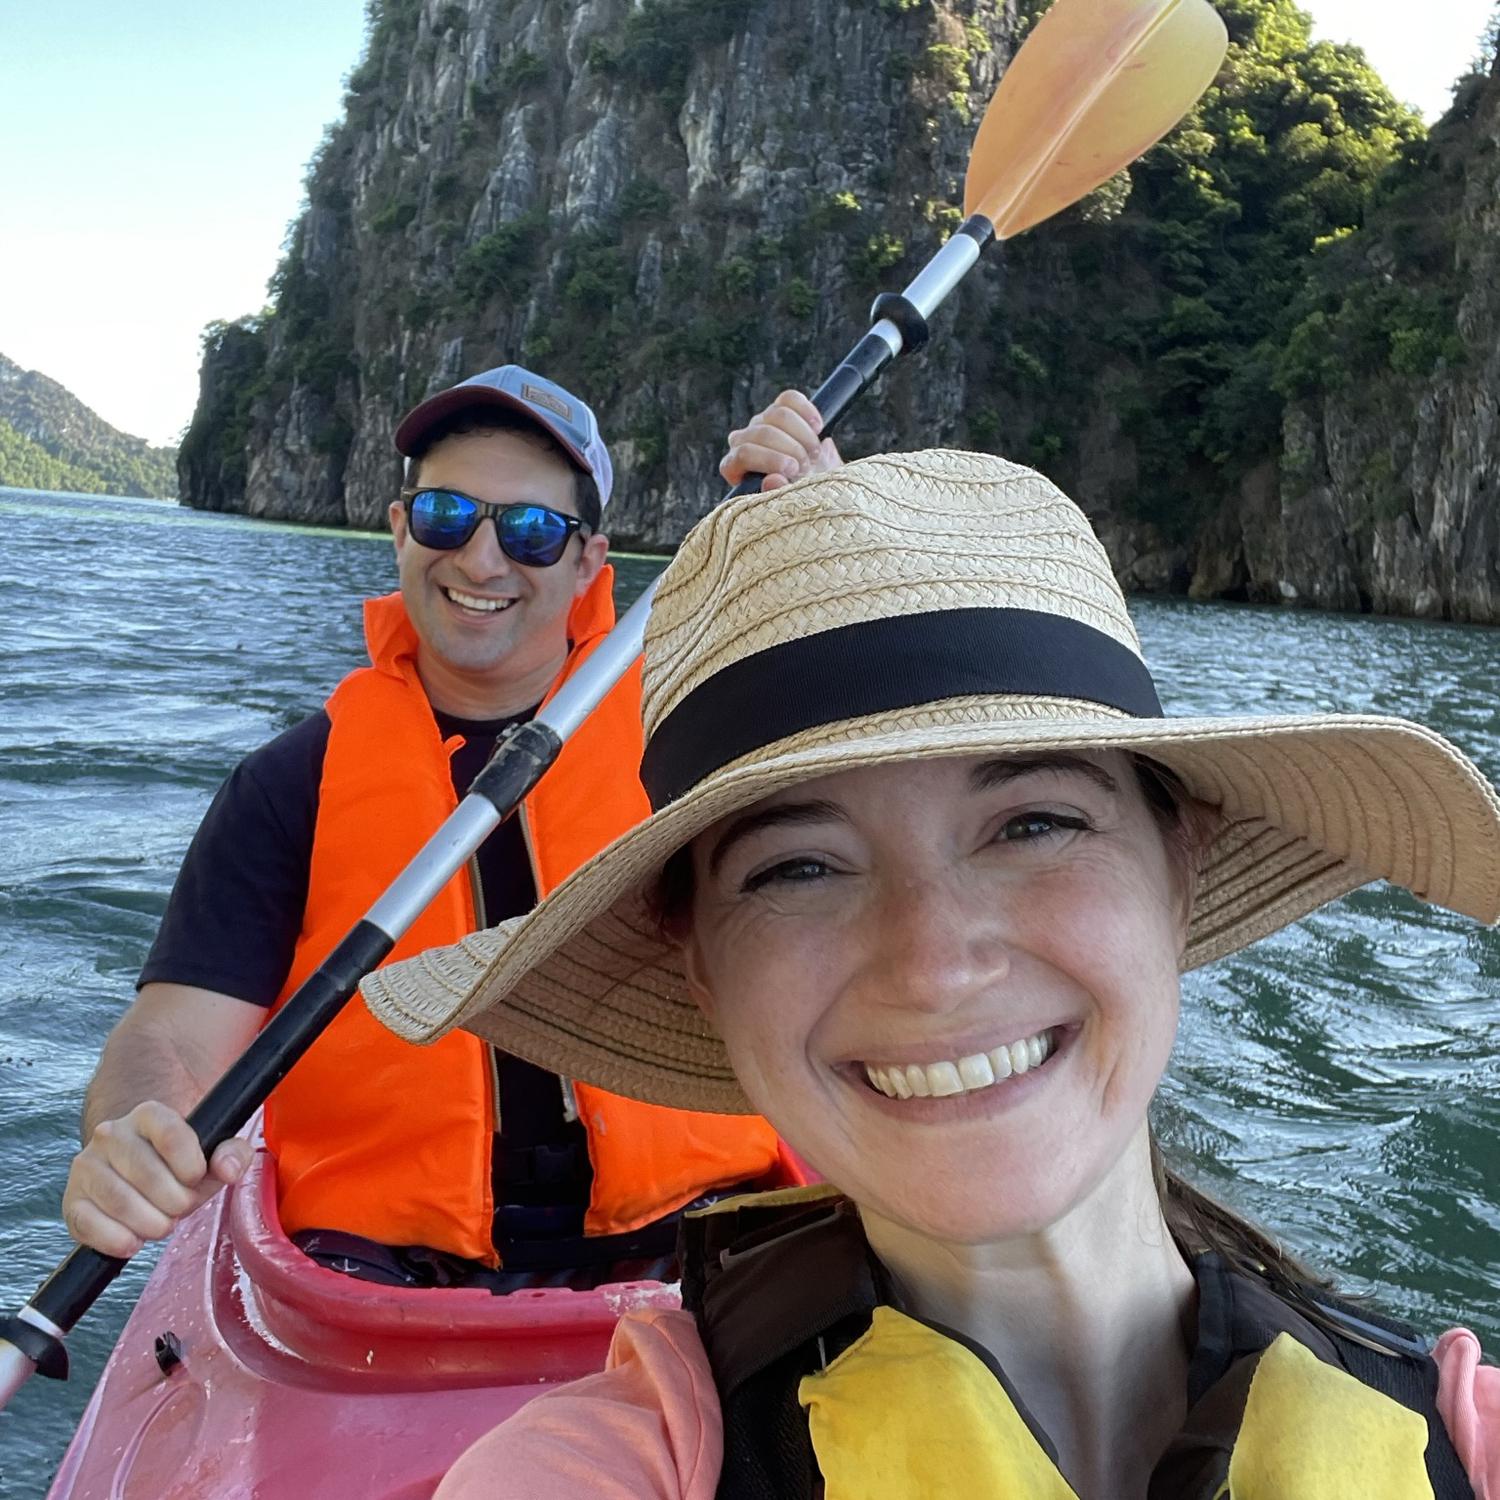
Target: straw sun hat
(908,606)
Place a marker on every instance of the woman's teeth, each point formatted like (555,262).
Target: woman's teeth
(473,601)
(977,1071)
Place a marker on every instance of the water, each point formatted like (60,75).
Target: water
(1340,1075)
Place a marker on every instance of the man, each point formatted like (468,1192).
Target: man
(416,1165)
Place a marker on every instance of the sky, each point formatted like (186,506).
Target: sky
(153,155)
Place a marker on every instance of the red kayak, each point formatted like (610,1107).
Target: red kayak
(290,1380)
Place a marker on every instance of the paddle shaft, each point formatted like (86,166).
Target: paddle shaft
(33,1338)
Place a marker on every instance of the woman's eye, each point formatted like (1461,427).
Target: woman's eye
(1037,825)
(789,871)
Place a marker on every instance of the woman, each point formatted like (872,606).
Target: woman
(924,866)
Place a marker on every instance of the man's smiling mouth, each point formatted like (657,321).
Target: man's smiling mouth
(475,602)
(964,1075)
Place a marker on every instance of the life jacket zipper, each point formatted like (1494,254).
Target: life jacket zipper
(523,815)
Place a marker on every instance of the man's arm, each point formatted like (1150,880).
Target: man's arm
(229,930)
(141,1168)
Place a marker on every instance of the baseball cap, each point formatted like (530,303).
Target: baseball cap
(556,410)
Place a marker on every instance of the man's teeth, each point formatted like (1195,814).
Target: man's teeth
(473,601)
(977,1071)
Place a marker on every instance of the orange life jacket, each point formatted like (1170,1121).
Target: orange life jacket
(377,1137)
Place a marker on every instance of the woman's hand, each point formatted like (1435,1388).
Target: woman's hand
(782,443)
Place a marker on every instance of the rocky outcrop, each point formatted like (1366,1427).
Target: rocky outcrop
(212,460)
(679,206)
(591,188)
(1413,466)
(1386,493)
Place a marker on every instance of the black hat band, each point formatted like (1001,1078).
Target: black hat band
(875,666)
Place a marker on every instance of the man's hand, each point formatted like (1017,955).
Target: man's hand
(141,1168)
(139,1175)
(782,443)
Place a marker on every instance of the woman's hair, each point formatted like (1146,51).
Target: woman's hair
(1197,1220)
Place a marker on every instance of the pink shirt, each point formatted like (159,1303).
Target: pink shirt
(647,1427)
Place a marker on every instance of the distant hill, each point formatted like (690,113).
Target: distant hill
(49,440)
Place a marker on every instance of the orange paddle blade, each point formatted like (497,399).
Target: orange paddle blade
(1094,85)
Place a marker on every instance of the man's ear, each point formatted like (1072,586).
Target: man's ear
(396,515)
(594,555)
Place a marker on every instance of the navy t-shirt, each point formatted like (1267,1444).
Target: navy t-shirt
(234,915)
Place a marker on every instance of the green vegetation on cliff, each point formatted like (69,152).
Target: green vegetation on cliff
(49,440)
(1384,301)
(28,466)
(213,457)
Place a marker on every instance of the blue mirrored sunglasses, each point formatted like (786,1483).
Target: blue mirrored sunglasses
(535,536)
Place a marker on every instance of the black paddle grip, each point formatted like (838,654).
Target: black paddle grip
(45,1350)
(857,369)
(226,1107)
(518,763)
(78,1282)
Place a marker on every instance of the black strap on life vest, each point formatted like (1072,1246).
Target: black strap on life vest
(780,1291)
(1240,1315)
(766,1323)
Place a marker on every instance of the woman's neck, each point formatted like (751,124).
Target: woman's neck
(1090,1319)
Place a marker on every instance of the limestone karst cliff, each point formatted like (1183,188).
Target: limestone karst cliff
(679,206)
(676,206)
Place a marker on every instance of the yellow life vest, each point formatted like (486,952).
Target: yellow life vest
(1297,1396)
(906,1413)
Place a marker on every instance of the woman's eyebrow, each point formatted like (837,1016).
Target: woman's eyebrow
(993,773)
(781,815)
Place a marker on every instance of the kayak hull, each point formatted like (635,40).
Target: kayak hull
(294,1380)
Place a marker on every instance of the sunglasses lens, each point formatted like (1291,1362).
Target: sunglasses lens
(533,535)
(442,519)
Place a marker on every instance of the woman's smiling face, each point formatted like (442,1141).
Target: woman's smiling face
(937,927)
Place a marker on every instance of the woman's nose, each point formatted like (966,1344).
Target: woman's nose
(927,951)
